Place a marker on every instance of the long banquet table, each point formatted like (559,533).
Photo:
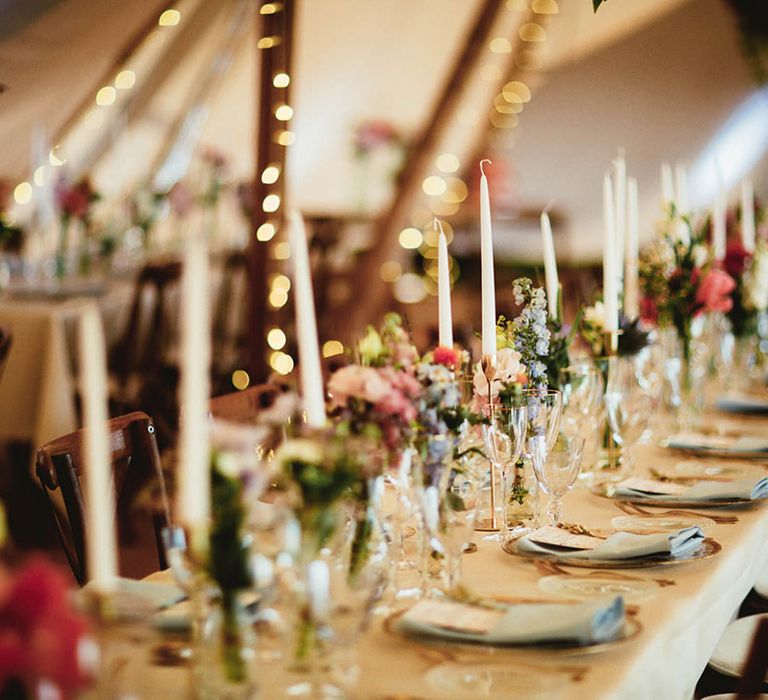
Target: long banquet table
(680,624)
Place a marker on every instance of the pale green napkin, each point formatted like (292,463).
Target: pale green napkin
(745,489)
(623,545)
(582,623)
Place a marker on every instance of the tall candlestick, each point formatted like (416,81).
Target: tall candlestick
(718,226)
(610,278)
(100,499)
(486,264)
(681,178)
(445,320)
(748,215)
(550,265)
(620,194)
(631,277)
(667,186)
(306,324)
(194,502)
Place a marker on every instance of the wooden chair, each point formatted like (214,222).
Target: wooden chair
(5,346)
(135,463)
(244,406)
(144,343)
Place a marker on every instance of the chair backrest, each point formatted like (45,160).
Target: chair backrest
(246,405)
(5,346)
(141,347)
(753,674)
(136,464)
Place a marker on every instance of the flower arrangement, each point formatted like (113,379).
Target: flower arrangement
(75,201)
(46,648)
(750,293)
(679,282)
(632,338)
(377,398)
(375,133)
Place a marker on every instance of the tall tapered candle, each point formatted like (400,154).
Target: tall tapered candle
(667,186)
(101,542)
(610,277)
(486,264)
(550,265)
(631,279)
(445,320)
(681,181)
(620,194)
(306,324)
(194,499)
(748,215)
(718,226)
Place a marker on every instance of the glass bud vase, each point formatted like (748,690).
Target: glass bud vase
(609,456)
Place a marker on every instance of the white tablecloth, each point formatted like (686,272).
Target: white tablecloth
(681,624)
(37,388)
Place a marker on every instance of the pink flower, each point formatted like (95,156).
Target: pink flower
(181,199)
(446,356)
(714,292)
(356,382)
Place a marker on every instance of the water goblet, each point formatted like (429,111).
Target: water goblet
(582,389)
(556,468)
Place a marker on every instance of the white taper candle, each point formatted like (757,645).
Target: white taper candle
(620,195)
(667,186)
(486,264)
(748,215)
(719,214)
(101,540)
(681,179)
(550,265)
(610,278)
(631,279)
(306,324)
(194,493)
(445,319)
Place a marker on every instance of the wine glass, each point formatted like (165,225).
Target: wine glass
(556,468)
(582,389)
(544,411)
(503,438)
(629,408)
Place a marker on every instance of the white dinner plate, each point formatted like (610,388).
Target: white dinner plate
(651,524)
(731,651)
(597,587)
(699,469)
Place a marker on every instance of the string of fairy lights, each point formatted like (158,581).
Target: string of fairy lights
(444,190)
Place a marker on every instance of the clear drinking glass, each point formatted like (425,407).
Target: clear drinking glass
(556,468)
(629,408)
(503,438)
(582,389)
(544,412)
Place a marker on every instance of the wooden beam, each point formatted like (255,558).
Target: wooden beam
(125,55)
(272,60)
(370,301)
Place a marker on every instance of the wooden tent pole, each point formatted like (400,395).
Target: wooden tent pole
(369,300)
(268,152)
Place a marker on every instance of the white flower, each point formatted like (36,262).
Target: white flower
(700,255)
(300,450)
(757,286)
(595,315)
(508,368)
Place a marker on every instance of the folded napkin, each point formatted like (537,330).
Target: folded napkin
(742,403)
(582,623)
(131,597)
(744,489)
(621,545)
(724,443)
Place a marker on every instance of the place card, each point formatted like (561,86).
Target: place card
(662,488)
(562,538)
(455,616)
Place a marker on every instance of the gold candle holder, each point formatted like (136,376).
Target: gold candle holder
(488,365)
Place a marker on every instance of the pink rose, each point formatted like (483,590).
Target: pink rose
(446,356)
(714,292)
(354,381)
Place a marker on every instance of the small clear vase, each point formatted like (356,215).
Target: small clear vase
(609,462)
(744,363)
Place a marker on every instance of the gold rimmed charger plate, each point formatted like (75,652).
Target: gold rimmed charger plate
(706,549)
(391,626)
(609,491)
(722,452)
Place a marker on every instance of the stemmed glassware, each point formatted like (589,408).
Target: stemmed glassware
(629,408)
(582,388)
(556,468)
(504,438)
